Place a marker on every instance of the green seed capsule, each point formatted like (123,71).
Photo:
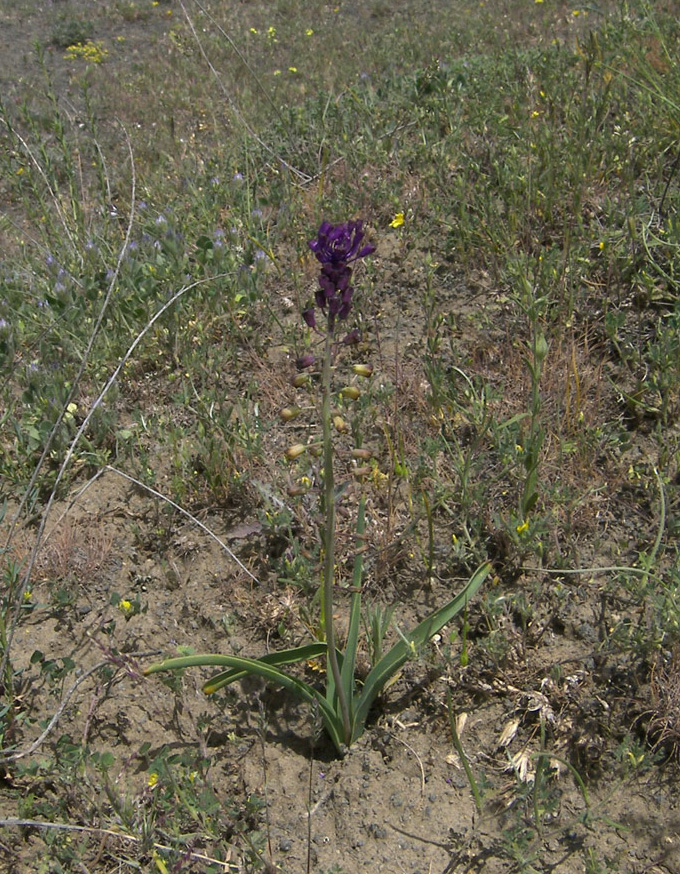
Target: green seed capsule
(295,451)
(351,392)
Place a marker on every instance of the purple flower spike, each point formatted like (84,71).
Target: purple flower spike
(336,247)
(340,244)
(310,318)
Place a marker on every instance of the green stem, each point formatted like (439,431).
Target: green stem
(329,539)
(476,794)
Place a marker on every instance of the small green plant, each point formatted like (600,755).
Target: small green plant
(344,708)
(69,31)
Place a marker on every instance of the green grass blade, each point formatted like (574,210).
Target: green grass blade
(402,651)
(276,659)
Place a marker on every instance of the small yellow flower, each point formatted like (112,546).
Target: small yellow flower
(292,69)
(153,779)
(28,595)
(125,607)
(576,12)
(535,114)
(398,220)
(253,30)
(271,33)
(523,528)
(309,32)
(601,245)
(277,72)
(378,478)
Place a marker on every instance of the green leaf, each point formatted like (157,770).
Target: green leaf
(260,668)
(402,651)
(285,657)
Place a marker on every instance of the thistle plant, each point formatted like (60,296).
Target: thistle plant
(344,706)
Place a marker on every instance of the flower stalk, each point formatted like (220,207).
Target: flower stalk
(328,581)
(344,705)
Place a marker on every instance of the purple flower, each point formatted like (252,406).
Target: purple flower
(336,247)
(305,361)
(351,338)
(340,244)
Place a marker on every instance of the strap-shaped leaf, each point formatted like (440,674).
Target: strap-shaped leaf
(286,657)
(402,651)
(260,668)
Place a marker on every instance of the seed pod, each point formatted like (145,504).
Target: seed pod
(351,392)
(289,413)
(295,451)
(362,471)
(300,380)
(340,424)
(364,370)
(541,348)
(362,454)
